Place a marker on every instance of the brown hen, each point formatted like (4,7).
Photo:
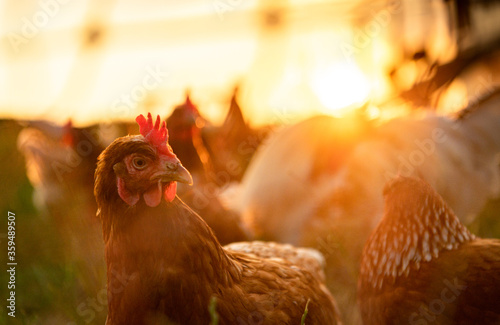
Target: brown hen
(422,266)
(169,262)
(185,125)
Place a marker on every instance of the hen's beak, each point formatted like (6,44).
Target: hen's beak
(182,175)
(174,172)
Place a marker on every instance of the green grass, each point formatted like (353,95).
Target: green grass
(212,309)
(306,310)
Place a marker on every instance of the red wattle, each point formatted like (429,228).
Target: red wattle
(129,198)
(170,191)
(152,196)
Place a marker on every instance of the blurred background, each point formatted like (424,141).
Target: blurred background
(82,60)
(74,75)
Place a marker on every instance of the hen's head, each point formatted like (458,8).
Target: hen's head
(140,167)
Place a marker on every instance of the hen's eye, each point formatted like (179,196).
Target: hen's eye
(139,163)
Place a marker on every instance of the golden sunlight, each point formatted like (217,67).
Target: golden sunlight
(341,87)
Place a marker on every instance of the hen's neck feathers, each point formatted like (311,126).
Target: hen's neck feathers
(175,255)
(174,233)
(417,226)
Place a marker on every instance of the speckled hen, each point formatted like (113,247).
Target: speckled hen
(422,266)
(164,263)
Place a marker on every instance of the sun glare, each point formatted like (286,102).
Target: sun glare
(341,87)
(454,98)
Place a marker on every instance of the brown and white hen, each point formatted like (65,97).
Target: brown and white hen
(170,262)
(422,266)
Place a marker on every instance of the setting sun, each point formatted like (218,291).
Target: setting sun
(340,87)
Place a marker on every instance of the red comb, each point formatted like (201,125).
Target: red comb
(190,106)
(154,134)
(68,138)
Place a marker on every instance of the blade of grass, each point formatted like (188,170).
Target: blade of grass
(212,309)
(303,320)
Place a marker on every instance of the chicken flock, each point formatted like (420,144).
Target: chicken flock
(182,254)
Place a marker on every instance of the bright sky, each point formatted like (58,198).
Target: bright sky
(152,51)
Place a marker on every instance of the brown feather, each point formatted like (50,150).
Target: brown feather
(305,258)
(421,265)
